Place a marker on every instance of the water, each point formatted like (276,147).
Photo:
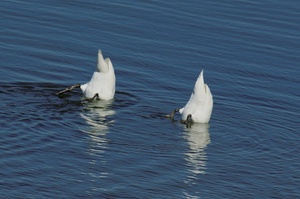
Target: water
(60,148)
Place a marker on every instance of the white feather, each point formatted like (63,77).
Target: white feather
(103,80)
(200,104)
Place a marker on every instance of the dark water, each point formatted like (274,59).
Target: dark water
(60,148)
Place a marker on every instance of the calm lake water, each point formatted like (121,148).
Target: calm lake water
(54,147)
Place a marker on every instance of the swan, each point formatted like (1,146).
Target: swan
(102,84)
(199,107)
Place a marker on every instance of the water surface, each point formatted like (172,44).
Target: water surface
(61,148)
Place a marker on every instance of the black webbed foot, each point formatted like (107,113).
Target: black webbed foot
(67,90)
(187,121)
(91,99)
(171,116)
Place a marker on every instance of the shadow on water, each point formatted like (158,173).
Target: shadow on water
(40,98)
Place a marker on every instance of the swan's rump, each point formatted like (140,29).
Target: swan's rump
(200,104)
(101,83)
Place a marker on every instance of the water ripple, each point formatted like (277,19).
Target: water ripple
(59,147)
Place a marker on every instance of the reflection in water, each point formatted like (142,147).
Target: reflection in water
(97,115)
(198,138)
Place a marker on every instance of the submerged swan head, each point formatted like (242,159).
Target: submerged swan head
(199,107)
(102,84)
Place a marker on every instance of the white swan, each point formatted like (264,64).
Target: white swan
(102,84)
(200,105)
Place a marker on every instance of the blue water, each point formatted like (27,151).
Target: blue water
(54,147)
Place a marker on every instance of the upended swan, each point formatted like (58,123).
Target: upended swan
(198,109)
(102,84)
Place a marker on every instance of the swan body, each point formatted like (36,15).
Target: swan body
(103,80)
(200,104)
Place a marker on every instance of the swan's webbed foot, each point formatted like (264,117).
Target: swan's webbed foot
(186,122)
(171,116)
(91,99)
(67,89)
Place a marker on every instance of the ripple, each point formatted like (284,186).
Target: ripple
(125,100)
(29,110)
(60,147)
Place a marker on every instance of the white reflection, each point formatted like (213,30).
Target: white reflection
(97,116)
(198,138)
